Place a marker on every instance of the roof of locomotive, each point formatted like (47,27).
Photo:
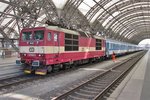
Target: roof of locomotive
(75,32)
(56,28)
(81,33)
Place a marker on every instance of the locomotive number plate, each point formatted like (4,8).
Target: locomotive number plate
(31,49)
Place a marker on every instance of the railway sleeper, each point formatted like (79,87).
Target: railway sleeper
(92,88)
(72,97)
(89,92)
(97,83)
(83,95)
(100,82)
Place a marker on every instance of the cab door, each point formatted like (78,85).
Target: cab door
(56,44)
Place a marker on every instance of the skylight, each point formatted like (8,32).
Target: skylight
(60,4)
(85,6)
(3,6)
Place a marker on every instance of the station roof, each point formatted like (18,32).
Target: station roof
(123,20)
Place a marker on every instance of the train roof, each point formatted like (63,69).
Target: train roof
(98,37)
(69,31)
(111,40)
(81,33)
(56,28)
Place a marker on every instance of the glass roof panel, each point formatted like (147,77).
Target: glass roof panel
(107,20)
(3,6)
(6,20)
(96,15)
(85,6)
(136,5)
(89,2)
(110,3)
(60,4)
(115,13)
(41,17)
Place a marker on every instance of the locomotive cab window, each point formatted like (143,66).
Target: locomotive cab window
(39,35)
(26,36)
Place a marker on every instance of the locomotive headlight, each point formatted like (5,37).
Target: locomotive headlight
(25,54)
(40,55)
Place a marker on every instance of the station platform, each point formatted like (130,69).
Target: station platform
(8,68)
(7,60)
(136,86)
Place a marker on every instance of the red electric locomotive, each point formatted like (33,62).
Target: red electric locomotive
(44,49)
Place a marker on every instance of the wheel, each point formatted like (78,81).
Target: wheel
(49,69)
(61,66)
(55,68)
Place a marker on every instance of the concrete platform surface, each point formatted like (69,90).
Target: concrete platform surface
(4,61)
(136,86)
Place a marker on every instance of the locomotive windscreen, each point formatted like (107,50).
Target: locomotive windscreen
(26,36)
(39,35)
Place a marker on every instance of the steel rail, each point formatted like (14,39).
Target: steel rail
(6,83)
(102,84)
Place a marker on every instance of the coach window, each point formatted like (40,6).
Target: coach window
(49,36)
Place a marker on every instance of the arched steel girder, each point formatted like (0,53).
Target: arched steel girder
(140,37)
(7,10)
(72,17)
(140,26)
(115,25)
(125,18)
(141,30)
(109,15)
(132,23)
(141,22)
(122,8)
(92,12)
(24,13)
(121,31)
(127,15)
(138,6)
(70,8)
(32,9)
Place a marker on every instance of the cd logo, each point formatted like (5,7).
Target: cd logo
(31,49)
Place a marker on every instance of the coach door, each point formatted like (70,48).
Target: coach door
(56,44)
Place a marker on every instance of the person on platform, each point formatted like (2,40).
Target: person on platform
(113,57)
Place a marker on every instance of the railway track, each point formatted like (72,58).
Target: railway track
(14,81)
(10,70)
(24,78)
(5,83)
(100,86)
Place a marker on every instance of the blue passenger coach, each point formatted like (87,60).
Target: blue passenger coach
(119,48)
